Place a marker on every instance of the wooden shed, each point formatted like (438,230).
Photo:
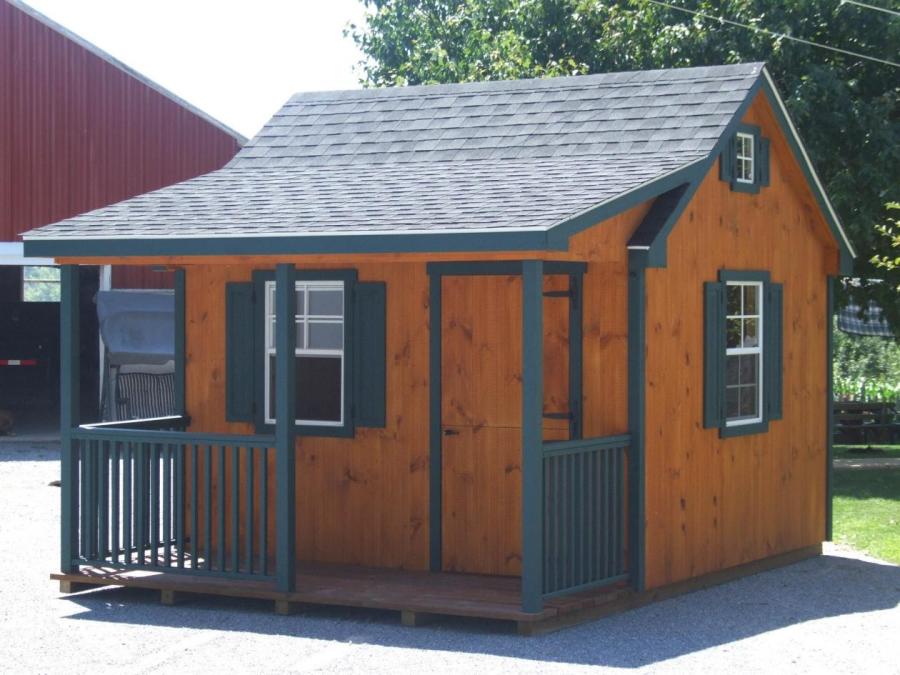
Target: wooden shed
(553,346)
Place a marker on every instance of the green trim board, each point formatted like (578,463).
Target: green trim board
(349,277)
(637,401)
(69,411)
(285,429)
(829,408)
(576,355)
(180,360)
(532,435)
(435,456)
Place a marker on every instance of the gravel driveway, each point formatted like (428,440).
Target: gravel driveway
(836,613)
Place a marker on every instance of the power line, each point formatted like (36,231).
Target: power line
(867,6)
(766,31)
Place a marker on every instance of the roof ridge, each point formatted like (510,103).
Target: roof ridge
(557,83)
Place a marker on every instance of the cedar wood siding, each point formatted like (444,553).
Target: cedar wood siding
(365,500)
(78,133)
(715,503)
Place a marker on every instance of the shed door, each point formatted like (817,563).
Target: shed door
(481,420)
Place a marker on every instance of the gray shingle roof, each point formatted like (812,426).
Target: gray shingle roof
(496,156)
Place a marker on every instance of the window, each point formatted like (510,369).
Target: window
(742,366)
(744,162)
(744,353)
(744,158)
(40,284)
(319,366)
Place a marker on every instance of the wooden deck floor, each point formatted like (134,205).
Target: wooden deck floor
(411,593)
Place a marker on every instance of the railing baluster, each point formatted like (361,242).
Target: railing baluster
(140,489)
(114,509)
(207,506)
(220,516)
(127,501)
(195,499)
(264,513)
(248,507)
(179,503)
(235,508)
(103,500)
(154,504)
(167,504)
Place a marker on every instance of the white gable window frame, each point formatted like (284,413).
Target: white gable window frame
(320,337)
(744,353)
(744,164)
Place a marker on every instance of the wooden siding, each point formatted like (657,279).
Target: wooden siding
(78,133)
(716,503)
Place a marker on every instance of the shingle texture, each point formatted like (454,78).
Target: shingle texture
(521,154)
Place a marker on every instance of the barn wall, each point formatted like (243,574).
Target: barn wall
(78,133)
(715,503)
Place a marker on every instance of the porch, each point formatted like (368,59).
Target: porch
(149,503)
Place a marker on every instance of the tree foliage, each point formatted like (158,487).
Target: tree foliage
(845,108)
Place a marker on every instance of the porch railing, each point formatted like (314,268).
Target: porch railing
(584,513)
(170,500)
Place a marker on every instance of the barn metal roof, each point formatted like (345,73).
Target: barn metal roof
(519,157)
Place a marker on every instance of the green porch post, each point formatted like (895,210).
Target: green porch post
(532,435)
(69,410)
(285,429)
(829,403)
(180,404)
(637,272)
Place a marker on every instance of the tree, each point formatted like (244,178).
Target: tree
(845,108)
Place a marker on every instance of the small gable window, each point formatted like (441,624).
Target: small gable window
(742,352)
(744,163)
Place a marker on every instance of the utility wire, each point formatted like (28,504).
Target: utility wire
(774,34)
(867,6)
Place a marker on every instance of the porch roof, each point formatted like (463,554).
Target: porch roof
(512,158)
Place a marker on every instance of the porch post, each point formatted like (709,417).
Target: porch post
(179,344)
(69,410)
(637,272)
(532,435)
(285,429)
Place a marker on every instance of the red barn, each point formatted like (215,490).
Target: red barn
(78,130)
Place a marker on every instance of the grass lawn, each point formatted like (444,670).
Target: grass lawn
(867,511)
(875,451)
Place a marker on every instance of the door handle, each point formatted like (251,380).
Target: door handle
(451,432)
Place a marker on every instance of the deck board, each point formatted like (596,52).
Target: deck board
(470,595)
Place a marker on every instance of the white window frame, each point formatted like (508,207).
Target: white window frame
(743,351)
(304,287)
(749,158)
(48,282)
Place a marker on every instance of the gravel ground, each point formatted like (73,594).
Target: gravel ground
(836,613)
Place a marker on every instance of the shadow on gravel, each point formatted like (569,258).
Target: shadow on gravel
(813,589)
(12,450)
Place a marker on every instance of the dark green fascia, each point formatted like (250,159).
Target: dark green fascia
(349,277)
(500,268)
(846,256)
(459,242)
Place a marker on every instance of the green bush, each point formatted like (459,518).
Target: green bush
(866,368)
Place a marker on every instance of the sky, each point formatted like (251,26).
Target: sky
(237,60)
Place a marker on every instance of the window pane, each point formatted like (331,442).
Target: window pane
(271,344)
(750,297)
(733,333)
(733,300)
(750,333)
(749,400)
(749,369)
(319,388)
(326,303)
(732,402)
(732,370)
(40,273)
(300,336)
(326,335)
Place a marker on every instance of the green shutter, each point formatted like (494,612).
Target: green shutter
(727,160)
(762,161)
(773,358)
(240,352)
(714,355)
(369,349)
